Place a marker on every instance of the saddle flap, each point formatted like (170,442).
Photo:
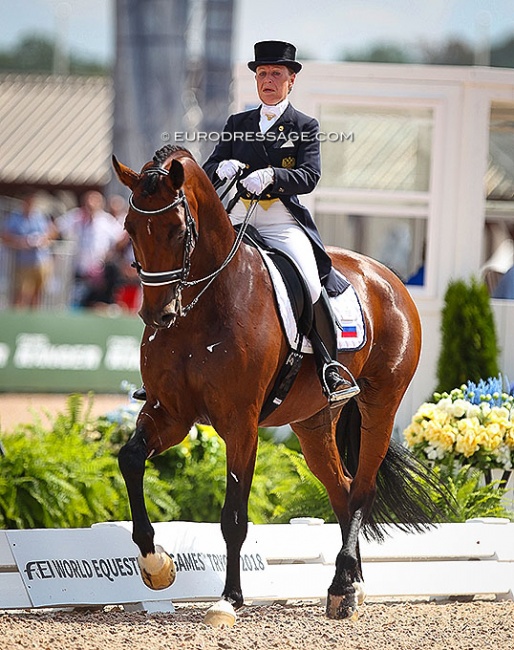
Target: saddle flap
(297,289)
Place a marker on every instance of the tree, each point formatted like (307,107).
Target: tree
(380,53)
(453,52)
(502,55)
(35,53)
(469,346)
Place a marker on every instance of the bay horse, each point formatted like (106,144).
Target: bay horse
(211,350)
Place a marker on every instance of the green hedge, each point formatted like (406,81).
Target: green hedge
(469,346)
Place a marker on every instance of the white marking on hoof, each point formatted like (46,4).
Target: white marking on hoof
(157,569)
(221,613)
(360,592)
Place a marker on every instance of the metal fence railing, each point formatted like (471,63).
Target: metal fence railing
(57,292)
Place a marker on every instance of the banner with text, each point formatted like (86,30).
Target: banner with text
(68,351)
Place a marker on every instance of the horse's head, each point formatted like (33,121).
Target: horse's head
(163,232)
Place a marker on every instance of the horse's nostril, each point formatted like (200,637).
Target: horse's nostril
(167,318)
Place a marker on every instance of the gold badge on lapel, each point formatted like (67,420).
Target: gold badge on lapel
(289,162)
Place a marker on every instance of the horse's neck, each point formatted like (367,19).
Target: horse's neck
(215,232)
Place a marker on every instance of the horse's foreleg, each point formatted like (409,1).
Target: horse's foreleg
(234,526)
(156,566)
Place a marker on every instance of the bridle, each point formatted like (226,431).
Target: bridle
(161,278)
(179,276)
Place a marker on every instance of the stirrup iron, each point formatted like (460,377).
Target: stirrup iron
(343,395)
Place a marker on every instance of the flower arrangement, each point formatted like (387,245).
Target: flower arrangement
(472,425)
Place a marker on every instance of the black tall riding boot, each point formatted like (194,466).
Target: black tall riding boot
(324,343)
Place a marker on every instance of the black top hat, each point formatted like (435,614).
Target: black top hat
(275,52)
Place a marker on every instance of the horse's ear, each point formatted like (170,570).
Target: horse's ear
(126,175)
(176,174)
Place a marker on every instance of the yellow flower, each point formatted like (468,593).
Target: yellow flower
(426,410)
(443,437)
(493,436)
(467,440)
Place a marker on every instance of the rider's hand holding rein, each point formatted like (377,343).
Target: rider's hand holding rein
(258,181)
(227,169)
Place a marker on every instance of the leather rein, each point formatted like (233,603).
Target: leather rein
(179,277)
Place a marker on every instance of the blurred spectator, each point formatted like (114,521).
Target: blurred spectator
(128,287)
(128,291)
(96,233)
(28,233)
(505,287)
(118,207)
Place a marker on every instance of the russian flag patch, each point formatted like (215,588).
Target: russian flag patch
(349,332)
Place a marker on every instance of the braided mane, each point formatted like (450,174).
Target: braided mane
(159,158)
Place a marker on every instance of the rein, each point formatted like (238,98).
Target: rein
(179,276)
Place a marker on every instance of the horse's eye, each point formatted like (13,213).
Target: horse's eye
(177,233)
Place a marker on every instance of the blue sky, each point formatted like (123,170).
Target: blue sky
(322,28)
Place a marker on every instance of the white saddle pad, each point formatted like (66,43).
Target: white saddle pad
(346,307)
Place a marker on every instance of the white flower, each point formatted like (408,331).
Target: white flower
(459,408)
(445,404)
(485,408)
(434,453)
(474,411)
(502,455)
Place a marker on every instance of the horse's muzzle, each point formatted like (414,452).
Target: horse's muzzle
(159,318)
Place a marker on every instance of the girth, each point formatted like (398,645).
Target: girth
(301,304)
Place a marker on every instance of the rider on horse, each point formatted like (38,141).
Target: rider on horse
(276,151)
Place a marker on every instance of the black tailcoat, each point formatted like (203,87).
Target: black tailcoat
(291,146)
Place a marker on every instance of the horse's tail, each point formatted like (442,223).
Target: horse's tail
(407,491)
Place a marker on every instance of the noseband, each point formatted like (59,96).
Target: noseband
(179,276)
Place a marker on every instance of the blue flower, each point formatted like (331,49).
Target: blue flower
(490,391)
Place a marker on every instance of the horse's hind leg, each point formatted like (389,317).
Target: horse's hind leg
(370,434)
(318,442)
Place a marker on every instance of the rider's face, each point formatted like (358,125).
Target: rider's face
(273,83)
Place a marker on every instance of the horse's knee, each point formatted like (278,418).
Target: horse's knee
(132,459)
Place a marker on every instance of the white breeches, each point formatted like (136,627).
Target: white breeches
(279,229)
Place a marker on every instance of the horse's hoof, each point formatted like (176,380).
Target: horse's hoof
(221,613)
(157,569)
(340,607)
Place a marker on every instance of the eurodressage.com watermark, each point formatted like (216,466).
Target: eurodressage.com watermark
(250,136)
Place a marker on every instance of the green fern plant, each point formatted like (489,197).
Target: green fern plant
(66,477)
(471,498)
(294,490)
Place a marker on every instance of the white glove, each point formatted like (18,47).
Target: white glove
(258,181)
(227,169)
